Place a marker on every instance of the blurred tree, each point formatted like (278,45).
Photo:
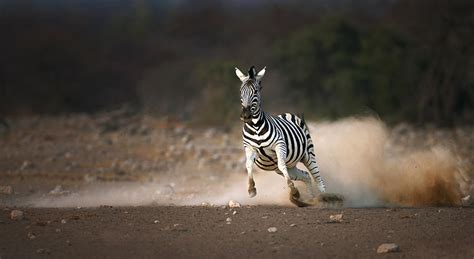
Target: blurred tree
(387,70)
(219,102)
(311,56)
(338,69)
(444,33)
(404,59)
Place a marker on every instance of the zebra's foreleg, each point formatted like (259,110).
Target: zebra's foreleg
(280,150)
(250,155)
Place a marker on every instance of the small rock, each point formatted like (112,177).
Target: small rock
(41,223)
(179,227)
(179,130)
(228,220)
(63,221)
(58,190)
(337,218)
(185,139)
(26,165)
(189,146)
(272,229)
(16,215)
(43,251)
(234,212)
(6,189)
(234,204)
(206,204)
(156,221)
(31,235)
(467,201)
(90,178)
(388,248)
(67,155)
(210,133)
(293,225)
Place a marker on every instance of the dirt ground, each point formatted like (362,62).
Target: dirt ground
(120,185)
(203,232)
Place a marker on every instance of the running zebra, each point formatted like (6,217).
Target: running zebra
(275,142)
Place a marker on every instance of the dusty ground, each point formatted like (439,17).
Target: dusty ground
(75,168)
(203,232)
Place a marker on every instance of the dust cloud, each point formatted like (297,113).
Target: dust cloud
(358,158)
(271,191)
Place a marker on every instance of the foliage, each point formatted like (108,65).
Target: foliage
(219,102)
(344,70)
(405,59)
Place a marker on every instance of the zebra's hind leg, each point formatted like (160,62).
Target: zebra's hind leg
(310,162)
(294,193)
(297,174)
(323,198)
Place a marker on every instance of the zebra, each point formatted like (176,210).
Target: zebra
(275,143)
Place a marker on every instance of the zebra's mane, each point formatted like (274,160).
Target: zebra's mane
(250,82)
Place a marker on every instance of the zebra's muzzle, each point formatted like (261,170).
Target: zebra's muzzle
(246,114)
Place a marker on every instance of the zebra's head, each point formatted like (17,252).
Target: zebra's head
(250,93)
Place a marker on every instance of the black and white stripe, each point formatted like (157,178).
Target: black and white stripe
(275,142)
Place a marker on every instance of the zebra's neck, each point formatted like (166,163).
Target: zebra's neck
(258,122)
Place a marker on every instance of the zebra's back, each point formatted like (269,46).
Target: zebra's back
(293,131)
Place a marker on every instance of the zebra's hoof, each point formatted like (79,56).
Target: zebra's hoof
(294,198)
(294,192)
(252,192)
(290,184)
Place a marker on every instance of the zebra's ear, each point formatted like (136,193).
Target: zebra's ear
(240,75)
(260,74)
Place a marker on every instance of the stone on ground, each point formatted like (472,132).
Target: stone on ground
(6,189)
(272,229)
(337,218)
(234,204)
(388,248)
(16,215)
